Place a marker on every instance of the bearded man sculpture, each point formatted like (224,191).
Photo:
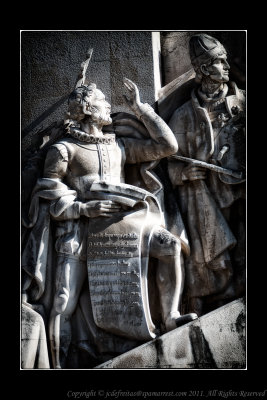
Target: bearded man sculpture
(105,230)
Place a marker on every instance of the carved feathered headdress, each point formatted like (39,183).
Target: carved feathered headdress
(84,65)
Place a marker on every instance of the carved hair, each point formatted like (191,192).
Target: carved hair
(79,93)
(77,98)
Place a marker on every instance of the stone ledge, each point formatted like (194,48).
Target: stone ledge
(214,341)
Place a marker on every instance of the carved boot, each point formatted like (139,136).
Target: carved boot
(175,319)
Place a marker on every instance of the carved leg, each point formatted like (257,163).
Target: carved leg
(70,276)
(196,305)
(169,277)
(169,281)
(54,335)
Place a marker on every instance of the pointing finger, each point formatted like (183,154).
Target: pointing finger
(127,84)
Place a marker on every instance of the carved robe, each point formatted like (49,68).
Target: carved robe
(71,167)
(204,203)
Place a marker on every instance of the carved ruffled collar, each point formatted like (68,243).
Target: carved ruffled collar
(108,138)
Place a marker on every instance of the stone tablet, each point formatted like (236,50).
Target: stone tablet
(118,274)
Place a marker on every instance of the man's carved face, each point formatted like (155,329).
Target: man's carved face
(219,69)
(98,108)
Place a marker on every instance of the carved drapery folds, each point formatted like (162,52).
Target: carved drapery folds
(133,223)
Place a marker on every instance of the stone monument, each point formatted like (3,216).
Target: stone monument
(90,235)
(208,173)
(133,222)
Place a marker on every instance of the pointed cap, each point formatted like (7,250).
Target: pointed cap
(203,48)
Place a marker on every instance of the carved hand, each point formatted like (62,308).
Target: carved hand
(134,99)
(99,208)
(193,173)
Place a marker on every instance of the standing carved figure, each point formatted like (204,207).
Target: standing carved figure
(83,188)
(208,173)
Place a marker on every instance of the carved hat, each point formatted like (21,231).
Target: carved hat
(204,48)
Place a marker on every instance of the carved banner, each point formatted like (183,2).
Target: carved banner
(117,272)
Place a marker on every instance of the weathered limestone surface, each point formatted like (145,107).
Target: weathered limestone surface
(215,340)
(33,340)
(50,61)
(118,304)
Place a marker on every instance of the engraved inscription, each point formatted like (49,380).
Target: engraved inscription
(111,245)
(105,235)
(116,291)
(114,273)
(110,253)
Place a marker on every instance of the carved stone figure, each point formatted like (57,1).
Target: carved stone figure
(105,232)
(208,173)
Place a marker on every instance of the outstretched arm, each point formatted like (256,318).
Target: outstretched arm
(162,142)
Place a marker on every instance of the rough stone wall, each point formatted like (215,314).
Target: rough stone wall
(50,63)
(176,60)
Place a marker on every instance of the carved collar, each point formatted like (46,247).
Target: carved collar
(218,98)
(85,137)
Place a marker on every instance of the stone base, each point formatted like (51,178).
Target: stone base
(214,341)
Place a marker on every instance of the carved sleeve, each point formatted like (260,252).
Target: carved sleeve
(175,171)
(56,165)
(177,124)
(56,162)
(162,142)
